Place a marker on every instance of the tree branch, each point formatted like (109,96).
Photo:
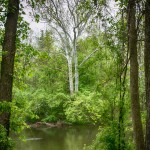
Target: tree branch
(88,57)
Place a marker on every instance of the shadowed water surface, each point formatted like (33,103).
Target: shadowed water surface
(68,138)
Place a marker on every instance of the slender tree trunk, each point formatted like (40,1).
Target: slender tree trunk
(147,71)
(76,70)
(134,88)
(70,74)
(122,81)
(7,64)
(76,80)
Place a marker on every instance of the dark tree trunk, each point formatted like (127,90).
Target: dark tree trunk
(122,81)
(134,88)
(147,70)
(8,55)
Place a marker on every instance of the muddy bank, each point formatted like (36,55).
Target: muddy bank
(48,124)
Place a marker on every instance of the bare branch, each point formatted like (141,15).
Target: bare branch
(88,57)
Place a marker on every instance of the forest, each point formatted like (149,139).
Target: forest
(88,67)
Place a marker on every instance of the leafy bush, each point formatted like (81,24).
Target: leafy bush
(5,142)
(20,110)
(105,140)
(84,108)
(49,108)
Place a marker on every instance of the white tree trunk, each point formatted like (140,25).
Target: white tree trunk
(70,75)
(76,70)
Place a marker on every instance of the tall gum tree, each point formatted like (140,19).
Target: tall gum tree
(134,87)
(7,63)
(147,70)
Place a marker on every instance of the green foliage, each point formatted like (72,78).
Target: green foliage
(48,108)
(41,91)
(5,142)
(20,110)
(45,81)
(5,106)
(106,139)
(83,109)
(3,11)
(58,105)
(1,36)
(22,30)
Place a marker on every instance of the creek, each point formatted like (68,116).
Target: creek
(63,138)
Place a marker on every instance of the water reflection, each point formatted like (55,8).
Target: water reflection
(69,138)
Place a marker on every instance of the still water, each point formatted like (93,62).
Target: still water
(68,138)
